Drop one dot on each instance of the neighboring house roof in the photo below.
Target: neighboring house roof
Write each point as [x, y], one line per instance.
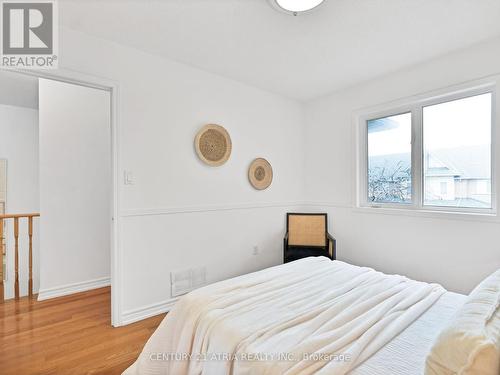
[470, 162]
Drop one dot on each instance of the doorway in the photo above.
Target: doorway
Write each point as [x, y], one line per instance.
[72, 240]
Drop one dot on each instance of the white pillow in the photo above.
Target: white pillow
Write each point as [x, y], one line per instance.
[470, 344]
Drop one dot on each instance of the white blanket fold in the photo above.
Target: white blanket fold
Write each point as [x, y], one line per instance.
[309, 316]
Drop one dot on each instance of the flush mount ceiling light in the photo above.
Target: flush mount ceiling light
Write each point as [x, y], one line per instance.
[296, 7]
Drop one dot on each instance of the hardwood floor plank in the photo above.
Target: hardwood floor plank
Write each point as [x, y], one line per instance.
[68, 335]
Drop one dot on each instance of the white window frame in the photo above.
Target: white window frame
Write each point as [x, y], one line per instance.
[415, 106]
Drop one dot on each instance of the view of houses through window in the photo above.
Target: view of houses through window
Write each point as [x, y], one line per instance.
[456, 155]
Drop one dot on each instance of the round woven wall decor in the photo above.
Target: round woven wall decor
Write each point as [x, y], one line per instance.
[260, 174]
[213, 145]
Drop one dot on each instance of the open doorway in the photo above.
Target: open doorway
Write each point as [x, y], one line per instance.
[56, 160]
[19, 184]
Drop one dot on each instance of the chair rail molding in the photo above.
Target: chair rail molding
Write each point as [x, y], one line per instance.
[205, 208]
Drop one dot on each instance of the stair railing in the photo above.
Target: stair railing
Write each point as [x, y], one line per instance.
[16, 218]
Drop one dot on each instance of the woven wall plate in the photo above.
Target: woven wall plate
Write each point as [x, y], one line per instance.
[213, 145]
[260, 174]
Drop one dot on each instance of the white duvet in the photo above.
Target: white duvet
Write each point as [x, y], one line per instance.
[309, 316]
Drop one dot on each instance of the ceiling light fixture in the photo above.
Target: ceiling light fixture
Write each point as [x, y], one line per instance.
[296, 7]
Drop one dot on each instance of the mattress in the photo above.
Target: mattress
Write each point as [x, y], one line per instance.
[406, 353]
[377, 323]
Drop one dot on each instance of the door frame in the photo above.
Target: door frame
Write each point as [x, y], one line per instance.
[112, 86]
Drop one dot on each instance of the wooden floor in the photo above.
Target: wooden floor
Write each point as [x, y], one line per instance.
[68, 335]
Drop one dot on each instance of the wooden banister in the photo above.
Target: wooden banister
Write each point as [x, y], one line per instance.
[13, 216]
[1, 261]
[30, 234]
[16, 256]
[16, 218]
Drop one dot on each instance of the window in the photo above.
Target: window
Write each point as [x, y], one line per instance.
[434, 153]
[457, 152]
[389, 159]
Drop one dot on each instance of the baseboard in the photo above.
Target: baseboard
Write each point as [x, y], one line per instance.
[73, 288]
[141, 313]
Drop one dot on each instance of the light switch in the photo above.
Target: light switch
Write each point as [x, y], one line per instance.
[128, 178]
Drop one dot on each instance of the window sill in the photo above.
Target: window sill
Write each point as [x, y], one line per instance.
[429, 213]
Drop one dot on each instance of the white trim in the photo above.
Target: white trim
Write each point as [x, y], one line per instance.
[145, 312]
[415, 105]
[102, 83]
[362, 180]
[430, 213]
[433, 95]
[417, 157]
[73, 288]
[195, 209]
[444, 215]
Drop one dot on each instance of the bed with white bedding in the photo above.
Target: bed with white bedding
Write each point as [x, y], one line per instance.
[309, 316]
[406, 353]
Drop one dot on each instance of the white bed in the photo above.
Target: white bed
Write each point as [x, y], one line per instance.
[406, 353]
[309, 316]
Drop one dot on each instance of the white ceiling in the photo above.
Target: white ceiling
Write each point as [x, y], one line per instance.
[342, 43]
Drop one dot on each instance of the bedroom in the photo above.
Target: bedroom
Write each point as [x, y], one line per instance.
[297, 91]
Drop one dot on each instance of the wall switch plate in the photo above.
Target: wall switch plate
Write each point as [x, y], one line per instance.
[128, 178]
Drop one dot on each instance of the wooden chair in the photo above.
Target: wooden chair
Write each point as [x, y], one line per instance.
[307, 235]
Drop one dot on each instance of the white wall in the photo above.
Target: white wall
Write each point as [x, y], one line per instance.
[179, 212]
[19, 145]
[456, 253]
[19, 90]
[75, 185]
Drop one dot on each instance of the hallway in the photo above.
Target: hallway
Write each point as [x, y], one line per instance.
[69, 335]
